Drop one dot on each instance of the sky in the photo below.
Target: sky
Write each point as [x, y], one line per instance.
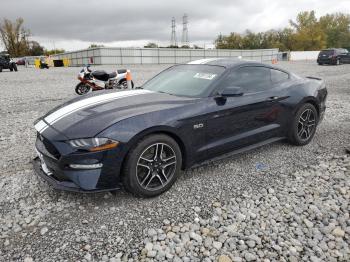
[75, 24]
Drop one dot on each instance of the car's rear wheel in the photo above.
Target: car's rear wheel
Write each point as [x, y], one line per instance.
[152, 166]
[304, 125]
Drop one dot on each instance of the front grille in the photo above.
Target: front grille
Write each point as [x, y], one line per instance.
[47, 147]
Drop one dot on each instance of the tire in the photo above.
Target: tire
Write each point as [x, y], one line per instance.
[15, 67]
[0, 69]
[147, 176]
[82, 89]
[11, 68]
[320, 64]
[123, 84]
[304, 125]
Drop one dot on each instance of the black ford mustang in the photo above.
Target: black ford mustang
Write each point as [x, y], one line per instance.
[188, 113]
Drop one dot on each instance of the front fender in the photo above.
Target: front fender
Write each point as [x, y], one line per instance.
[131, 130]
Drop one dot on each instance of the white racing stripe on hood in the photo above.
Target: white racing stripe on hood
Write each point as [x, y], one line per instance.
[40, 126]
[81, 104]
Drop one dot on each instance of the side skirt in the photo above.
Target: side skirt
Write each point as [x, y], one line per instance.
[238, 151]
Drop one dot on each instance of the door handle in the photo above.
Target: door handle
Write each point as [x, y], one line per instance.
[272, 98]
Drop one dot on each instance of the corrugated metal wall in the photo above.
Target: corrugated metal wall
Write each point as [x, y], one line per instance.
[120, 56]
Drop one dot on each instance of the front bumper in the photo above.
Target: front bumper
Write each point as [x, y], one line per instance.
[54, 168]
[63, 185]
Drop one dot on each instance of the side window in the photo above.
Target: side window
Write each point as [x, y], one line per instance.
[251, 79]
[278, 76]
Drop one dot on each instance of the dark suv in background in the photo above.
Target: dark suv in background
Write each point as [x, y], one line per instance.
[7, 63]
[345, 58]
[330, 56]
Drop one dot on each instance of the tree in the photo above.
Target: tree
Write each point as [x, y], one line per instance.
[305, 33]
[336, 27]
[14, 37]
[54, 51]
[95, 46]
[151, 45]
[308, 32]
[197, 47]
[35, 49]
[232, 41]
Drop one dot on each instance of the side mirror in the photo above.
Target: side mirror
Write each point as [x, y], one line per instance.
[232, 91]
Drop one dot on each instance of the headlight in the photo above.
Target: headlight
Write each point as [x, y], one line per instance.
[93, 144]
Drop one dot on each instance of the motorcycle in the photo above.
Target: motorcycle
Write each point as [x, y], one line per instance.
[43, 65]
[100, 80]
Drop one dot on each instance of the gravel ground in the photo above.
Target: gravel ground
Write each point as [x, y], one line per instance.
[275, 203]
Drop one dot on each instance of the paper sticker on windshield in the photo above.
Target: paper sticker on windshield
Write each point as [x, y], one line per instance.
[204, 76]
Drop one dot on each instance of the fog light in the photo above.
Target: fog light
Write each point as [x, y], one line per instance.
[91, 166]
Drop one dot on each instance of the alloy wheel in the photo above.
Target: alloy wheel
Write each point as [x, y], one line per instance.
[123, 85]
[156, 166]
[306, 124]
[83, 89]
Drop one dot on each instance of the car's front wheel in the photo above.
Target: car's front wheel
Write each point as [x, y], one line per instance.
[304, 125]
[152, 166]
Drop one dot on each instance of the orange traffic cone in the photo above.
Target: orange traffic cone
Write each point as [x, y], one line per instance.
[128, 79]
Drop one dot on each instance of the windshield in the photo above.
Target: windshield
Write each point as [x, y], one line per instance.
[327, 52]
[185, 80]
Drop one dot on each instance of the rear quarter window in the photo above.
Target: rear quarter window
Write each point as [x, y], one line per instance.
[327, 52]
[278, 76]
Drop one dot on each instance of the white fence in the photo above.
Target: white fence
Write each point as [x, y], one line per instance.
[120, 56]
[304, 55]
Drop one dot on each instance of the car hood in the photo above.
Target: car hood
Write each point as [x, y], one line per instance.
[88, 116]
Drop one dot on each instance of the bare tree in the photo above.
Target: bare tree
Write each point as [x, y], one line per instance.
[14, 37]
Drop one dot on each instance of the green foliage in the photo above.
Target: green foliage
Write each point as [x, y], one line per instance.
[54, 51]
[308, 32]
[151, 45]
[35, 49]
[305, 33]
[197, 47]
[95, 46]
[336, 28]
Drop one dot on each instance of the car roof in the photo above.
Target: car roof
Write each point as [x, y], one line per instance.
[225, 62]
[233, 62]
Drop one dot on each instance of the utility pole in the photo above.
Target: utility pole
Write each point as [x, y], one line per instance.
[184, 39]
[173, 41]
